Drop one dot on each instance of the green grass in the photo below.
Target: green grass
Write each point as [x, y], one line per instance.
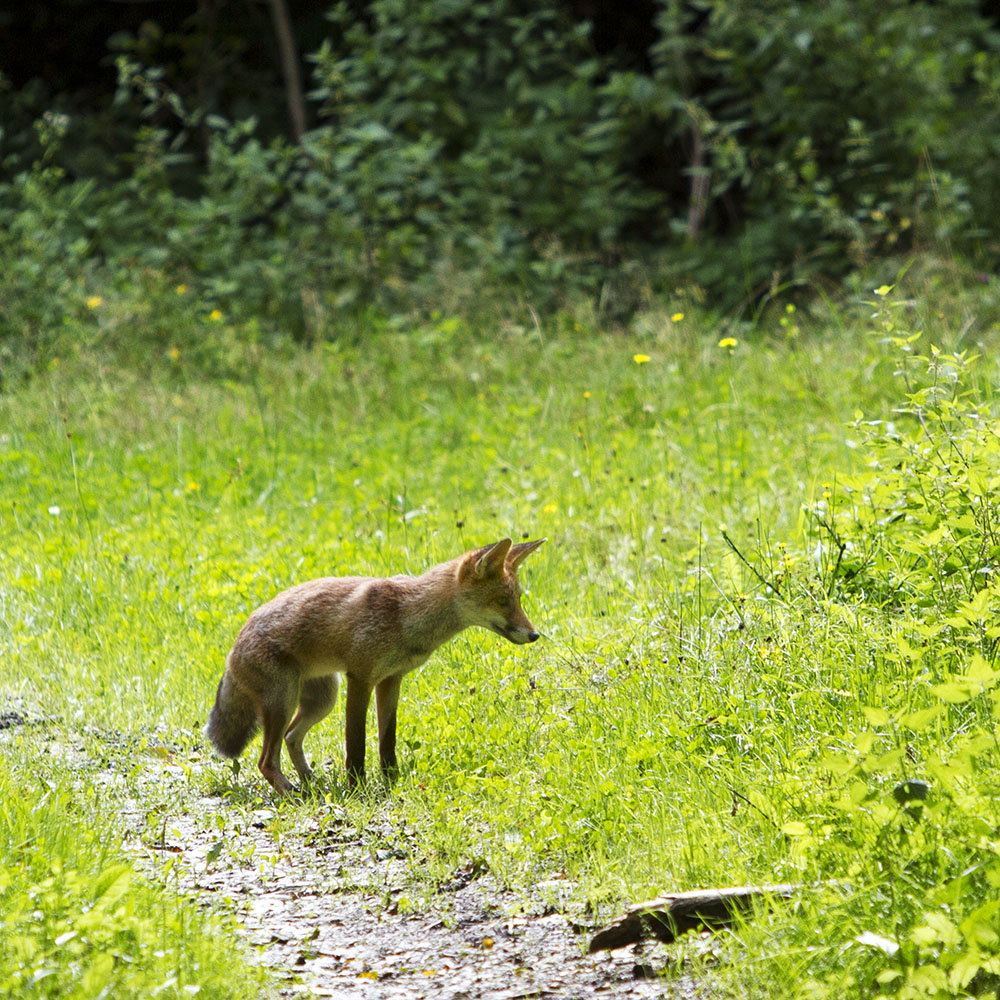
[681, 725]
[76, 921]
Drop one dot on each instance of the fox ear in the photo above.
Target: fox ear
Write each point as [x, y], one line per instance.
[518, 553]
[490, 563]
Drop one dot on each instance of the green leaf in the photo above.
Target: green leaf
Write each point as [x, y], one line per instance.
[876, 716]
[213, 852]
[919, 721]
[954, 692]
[795, 828]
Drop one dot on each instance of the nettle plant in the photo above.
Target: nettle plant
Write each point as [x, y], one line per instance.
[919, 528]
[913, 806]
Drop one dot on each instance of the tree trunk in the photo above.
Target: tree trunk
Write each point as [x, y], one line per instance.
[289, 68]
[698, 199]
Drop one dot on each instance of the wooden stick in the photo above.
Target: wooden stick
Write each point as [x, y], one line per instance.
[667, 917]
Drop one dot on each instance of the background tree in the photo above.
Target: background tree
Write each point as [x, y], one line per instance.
[549, 149]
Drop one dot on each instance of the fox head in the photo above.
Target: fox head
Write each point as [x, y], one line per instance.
[492, 596]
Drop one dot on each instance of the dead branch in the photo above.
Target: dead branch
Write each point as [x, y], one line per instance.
[667, 917]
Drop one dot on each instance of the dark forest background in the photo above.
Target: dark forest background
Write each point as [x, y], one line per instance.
[296, 159]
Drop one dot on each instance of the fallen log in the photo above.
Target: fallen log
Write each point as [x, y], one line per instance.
[669, 916]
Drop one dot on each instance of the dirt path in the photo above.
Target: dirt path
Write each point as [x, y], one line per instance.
[325, 913]
[326, 907]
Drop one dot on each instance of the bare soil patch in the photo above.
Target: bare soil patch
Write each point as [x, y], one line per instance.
[325, 914]
[328, 907]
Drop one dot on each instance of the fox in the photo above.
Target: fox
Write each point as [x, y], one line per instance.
[282, 673]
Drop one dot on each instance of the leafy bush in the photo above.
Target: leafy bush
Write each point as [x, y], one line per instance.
[901, 833]
[482, 150]
[480, 129]
[920, 526]
[827, 132]
[434, 160]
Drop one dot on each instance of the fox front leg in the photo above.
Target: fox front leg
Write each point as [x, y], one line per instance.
[386, 699]
[359, 694]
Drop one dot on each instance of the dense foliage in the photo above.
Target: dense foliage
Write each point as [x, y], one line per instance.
[769, 605]
[834, 131]
[460, 147]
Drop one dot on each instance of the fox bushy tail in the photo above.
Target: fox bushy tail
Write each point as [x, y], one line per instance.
[233, 721]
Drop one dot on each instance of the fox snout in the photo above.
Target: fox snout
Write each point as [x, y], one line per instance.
[518, 634]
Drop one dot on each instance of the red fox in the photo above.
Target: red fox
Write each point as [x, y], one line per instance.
[291, 650]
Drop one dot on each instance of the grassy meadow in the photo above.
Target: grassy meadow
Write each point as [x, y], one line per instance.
[767, 603]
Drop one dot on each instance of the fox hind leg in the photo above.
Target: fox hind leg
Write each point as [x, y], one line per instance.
[316, 698]
[275, 713]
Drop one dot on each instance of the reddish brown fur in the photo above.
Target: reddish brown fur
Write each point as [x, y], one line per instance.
[288, 655]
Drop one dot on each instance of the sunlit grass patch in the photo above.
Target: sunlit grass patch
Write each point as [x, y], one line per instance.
[77, 921]
[739, 664]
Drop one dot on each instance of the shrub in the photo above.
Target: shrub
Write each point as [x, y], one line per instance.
[479, 129]
[906, 824]
[920, 526]
[827, 133]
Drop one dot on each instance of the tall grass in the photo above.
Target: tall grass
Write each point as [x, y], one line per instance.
[77, 922]
[706, 691]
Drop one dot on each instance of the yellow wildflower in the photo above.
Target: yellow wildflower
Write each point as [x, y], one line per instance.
[94, 301]
[729, 342]
[677, 317]
[181, 289]
[174, 354]
[215, 315]
[640, 359]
